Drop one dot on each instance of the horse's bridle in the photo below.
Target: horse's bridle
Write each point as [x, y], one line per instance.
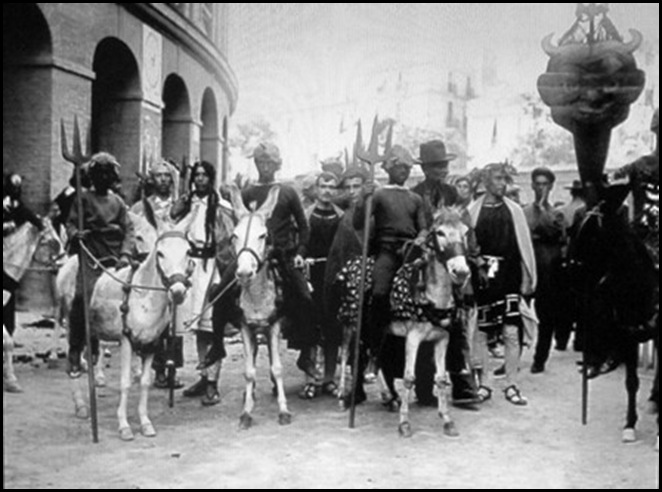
[261, 262]
[452, 250]
[183, 278]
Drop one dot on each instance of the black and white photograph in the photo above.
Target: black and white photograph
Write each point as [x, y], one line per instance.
[330, 246]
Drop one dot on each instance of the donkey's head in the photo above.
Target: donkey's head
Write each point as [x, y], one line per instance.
[449, 238]
[173, 261]
[251, 234]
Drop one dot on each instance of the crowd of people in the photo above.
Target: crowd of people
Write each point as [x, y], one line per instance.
[518, 255]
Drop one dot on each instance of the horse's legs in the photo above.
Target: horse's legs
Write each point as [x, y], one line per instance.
[146, 427]
[125, 386]
[10, 382]
[412, 344]
[250, 356]
[631, 358]
[284, 416]
[440, 350]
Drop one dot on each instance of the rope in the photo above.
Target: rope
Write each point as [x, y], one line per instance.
[210, 305]
[123, 283]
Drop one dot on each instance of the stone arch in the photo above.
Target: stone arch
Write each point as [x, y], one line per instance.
[27, 93]
[210, 138]
[177, 119]
[116, 106]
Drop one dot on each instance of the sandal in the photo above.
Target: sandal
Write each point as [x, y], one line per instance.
[484, 394]
[309, 392]
[514, 396]
[330, 389]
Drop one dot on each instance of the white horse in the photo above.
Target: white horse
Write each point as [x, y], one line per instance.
[26, 246]
[445, 266]
[258, 301]
[65, 286]
[159, 282]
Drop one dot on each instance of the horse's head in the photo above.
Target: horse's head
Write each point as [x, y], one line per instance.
[173, 260]
[449, 240]
[251, 234]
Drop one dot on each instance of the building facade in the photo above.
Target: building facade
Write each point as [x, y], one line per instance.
[146, 80]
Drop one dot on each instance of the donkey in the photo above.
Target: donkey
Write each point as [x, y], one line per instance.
[620, 299]
[135, 308]
[417, 320]
[258, 300]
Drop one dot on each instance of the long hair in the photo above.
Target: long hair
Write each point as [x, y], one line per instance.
[212, 207]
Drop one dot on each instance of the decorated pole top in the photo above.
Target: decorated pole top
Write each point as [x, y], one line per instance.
[591, 81]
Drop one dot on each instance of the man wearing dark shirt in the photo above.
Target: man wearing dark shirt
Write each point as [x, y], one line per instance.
[288, 235]
[508, 275]
[399, 216]
[324, 219]
[436, 194]
[547, 233]
[107, 234]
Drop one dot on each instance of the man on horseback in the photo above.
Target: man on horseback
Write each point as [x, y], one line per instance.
[211, 225]
[437, 194]
[399, 216]
[14, 215]
[644, 177]
[107, 240]
[163, 177]
[288, 237]
[509, 273]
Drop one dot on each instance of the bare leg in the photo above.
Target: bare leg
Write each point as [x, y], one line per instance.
[250, 352]
[442, 386]
[513, 354]
[284, 416]
[126, 434]
[146, 427]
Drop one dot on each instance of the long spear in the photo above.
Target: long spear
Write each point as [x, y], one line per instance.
[371, 158]
[78, 159]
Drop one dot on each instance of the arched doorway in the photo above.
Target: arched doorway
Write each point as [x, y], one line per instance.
[27, 93]
[116, 107]
[210, 138]
[177, 120]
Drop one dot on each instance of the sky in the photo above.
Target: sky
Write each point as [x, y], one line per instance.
[305, 68]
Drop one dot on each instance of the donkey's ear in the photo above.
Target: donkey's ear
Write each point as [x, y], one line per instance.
[270, 203]
[238, 205]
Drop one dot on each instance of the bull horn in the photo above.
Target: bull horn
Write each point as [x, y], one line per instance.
[548, 47]
[637, 40]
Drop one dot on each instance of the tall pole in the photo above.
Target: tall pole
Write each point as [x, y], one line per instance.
[77, 158]
[372, 157]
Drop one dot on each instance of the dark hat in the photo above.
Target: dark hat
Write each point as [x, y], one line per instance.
[544, 171]
[576, 186]
[434, 152]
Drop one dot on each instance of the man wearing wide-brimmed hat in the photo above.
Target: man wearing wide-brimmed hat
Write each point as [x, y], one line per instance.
[435, 162]
[436, 193]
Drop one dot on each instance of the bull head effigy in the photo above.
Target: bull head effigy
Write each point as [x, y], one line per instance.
[592, 80]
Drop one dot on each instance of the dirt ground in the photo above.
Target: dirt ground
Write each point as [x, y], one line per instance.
[543, 446]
